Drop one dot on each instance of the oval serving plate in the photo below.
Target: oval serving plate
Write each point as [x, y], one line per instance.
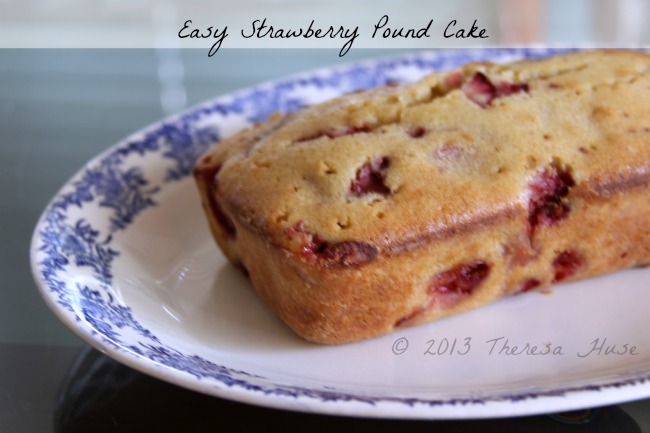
[123, 257]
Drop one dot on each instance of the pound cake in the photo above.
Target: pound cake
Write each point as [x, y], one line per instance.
[402, 204]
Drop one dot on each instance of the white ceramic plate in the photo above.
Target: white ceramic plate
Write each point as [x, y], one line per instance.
[123, 257]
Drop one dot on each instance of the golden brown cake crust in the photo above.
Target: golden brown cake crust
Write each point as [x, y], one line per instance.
[402, 204]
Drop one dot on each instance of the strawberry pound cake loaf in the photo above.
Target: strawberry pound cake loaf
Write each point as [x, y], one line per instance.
[402, 204]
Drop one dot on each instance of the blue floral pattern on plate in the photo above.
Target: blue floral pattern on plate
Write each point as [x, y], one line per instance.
[65, 242]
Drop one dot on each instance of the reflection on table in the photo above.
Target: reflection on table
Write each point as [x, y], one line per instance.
[102, 395]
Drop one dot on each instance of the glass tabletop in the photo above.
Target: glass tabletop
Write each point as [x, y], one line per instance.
[60, 108]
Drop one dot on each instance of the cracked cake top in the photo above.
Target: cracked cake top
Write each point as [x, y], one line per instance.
[483, 142]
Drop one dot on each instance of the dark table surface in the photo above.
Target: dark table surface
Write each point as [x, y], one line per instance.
[58, 109]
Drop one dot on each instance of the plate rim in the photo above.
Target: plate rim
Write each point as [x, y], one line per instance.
[341, 404]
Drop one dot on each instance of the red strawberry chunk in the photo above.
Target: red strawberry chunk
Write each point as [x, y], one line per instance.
[480, 90]
[529, 284]
[348, 253]
[370, 178]
[449, 288]
[301, 241]
[548, 200]
[461, 279]
[566, 264]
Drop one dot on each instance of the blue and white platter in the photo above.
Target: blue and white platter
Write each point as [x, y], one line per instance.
[123, 257]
